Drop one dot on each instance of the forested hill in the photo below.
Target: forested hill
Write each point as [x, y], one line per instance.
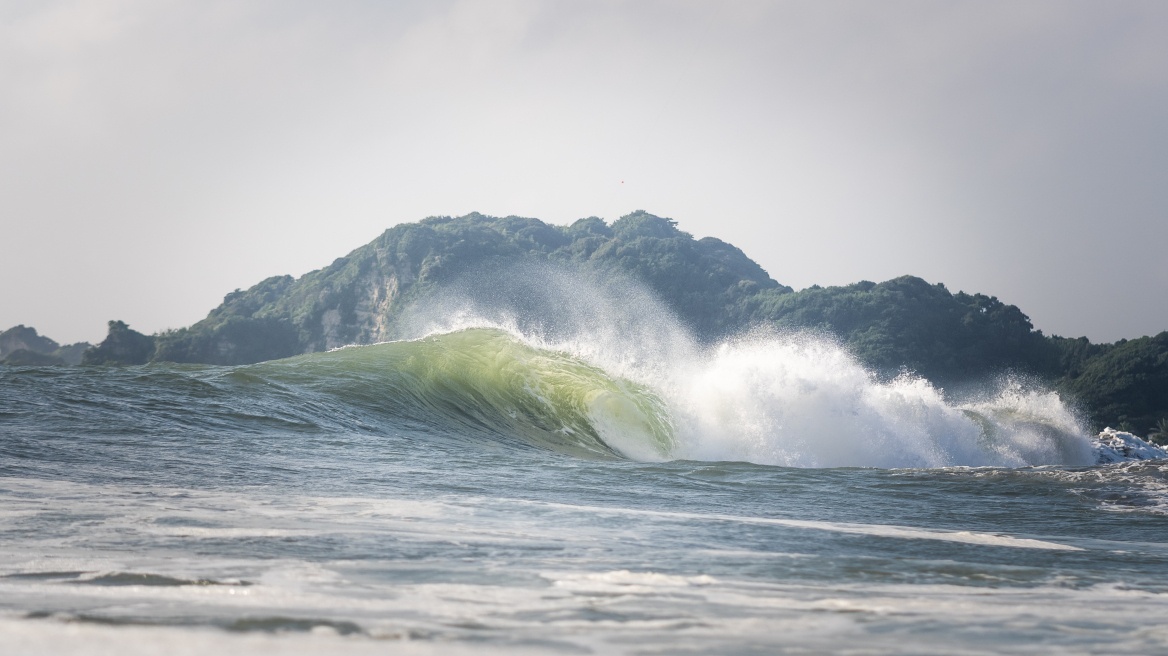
[360, 297]
[711, 285]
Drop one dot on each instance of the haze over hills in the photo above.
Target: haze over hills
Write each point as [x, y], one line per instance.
[901, 324]
[21, 345]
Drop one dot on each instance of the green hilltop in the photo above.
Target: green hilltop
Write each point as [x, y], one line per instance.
[900, 324]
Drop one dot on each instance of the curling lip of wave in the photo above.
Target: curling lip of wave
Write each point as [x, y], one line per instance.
[487, 383]
[768, 400]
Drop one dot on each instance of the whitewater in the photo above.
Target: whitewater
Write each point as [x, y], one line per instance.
[545, 464]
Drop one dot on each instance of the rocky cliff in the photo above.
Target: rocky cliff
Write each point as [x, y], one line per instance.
[21, 345]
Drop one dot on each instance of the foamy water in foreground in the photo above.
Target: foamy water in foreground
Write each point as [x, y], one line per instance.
[486, 490]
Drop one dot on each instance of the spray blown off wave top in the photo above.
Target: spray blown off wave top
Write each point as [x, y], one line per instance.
[608, 369]
[550, 465]
[775, 401]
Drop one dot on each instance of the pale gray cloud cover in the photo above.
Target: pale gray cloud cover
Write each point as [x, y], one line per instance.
[157, 154]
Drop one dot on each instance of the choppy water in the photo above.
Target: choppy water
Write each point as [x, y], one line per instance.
[487, 490]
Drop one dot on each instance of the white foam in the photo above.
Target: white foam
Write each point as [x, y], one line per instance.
[66, 638]
[1117, 446]
[779, 399]
[805, 402]
[626, 580]
[877, 530]
[576, 603]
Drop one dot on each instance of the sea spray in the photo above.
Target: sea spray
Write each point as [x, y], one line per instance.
[803, 401]
[784, 398]
[484, 487]
[612, 321]
[794, 401]
[607, 372]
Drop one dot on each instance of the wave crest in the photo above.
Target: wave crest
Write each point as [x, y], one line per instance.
[788, 401]
[486, 383]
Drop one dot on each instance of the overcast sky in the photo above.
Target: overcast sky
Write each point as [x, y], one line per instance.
[155, 155]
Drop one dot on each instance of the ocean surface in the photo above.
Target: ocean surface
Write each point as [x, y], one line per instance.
[498, 488]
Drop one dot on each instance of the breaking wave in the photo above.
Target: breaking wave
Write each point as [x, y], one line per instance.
[790, 401]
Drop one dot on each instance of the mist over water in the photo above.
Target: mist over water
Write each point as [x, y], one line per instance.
[553, 464]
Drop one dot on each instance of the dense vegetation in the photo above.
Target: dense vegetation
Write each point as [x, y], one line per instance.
[954, 338]
[1125, 384]
[360, 297]
[904, 323]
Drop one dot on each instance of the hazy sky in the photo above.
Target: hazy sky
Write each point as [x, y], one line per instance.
[155, 155]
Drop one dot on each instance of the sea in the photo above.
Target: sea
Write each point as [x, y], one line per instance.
[602, 483]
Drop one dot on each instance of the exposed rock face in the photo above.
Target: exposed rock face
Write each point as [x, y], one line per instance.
[121, 346]
[22, 345]
[24, 338]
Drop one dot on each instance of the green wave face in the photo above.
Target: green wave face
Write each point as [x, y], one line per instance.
[767, 402]
[484, 380]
